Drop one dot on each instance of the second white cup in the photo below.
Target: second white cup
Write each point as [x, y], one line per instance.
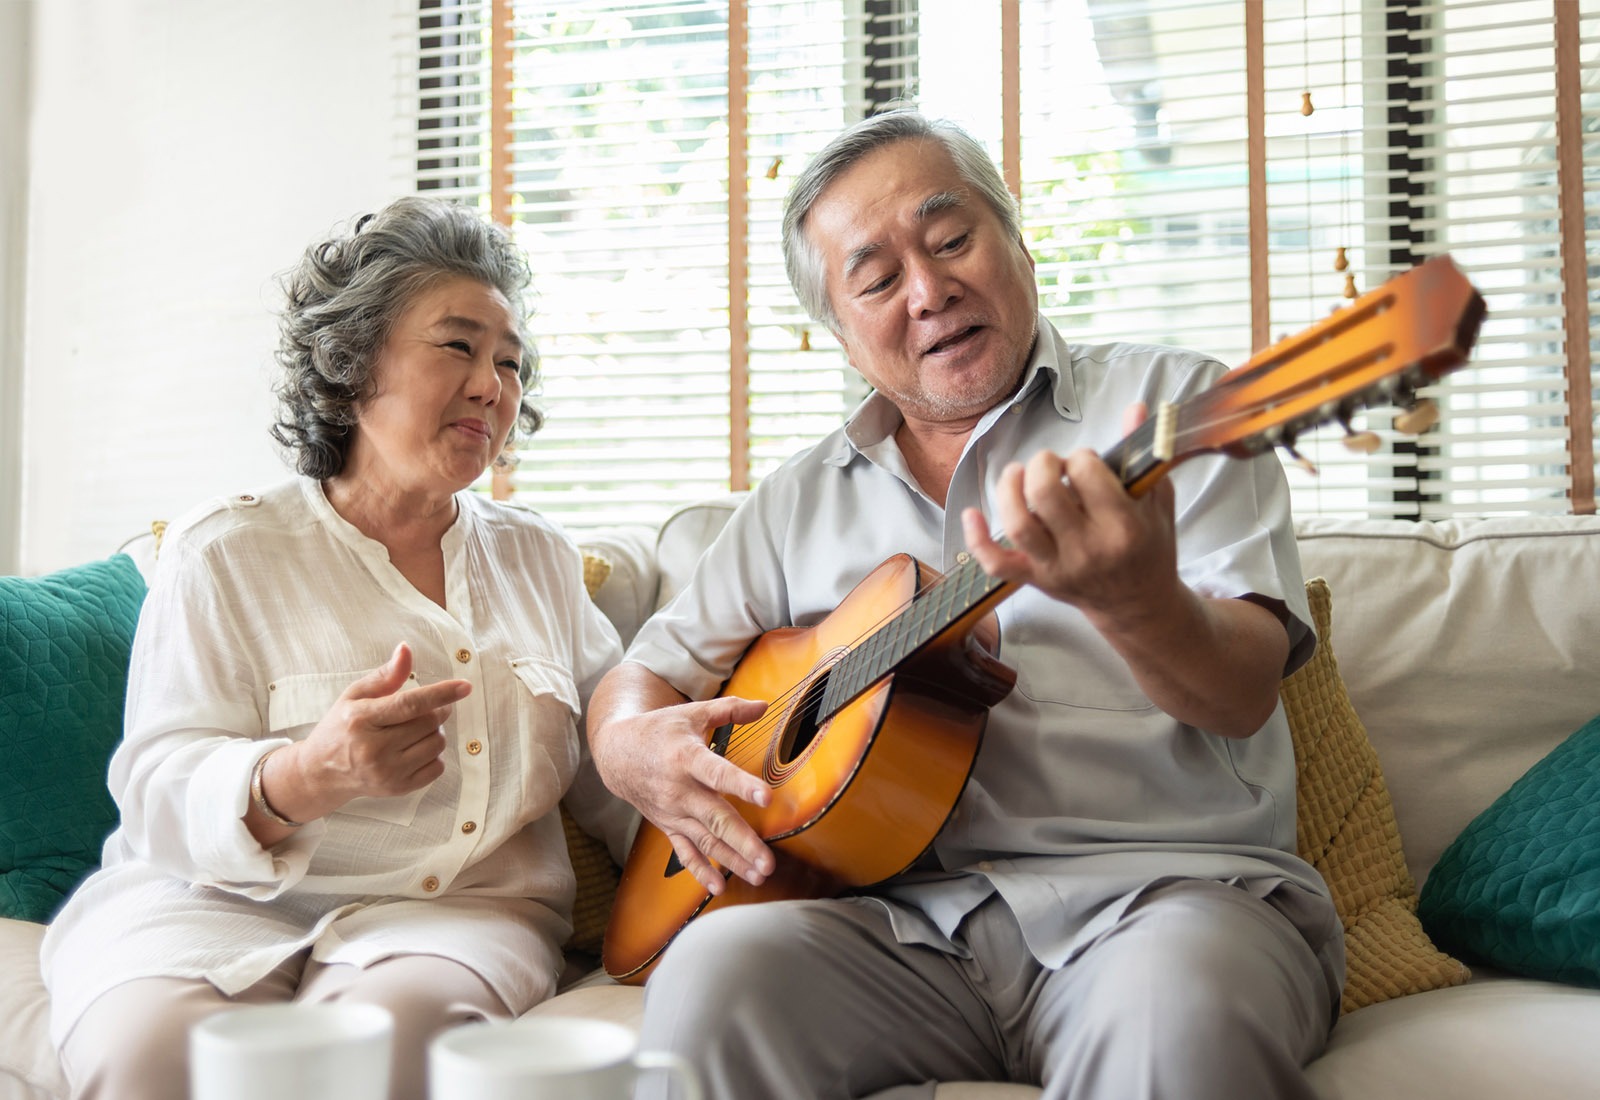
[546, 1058]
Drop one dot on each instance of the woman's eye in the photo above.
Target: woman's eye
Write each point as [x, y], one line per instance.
[510, 364]
[460, 345]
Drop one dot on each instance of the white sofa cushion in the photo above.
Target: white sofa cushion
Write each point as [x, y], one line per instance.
[1495, 1036]
[684, 536]
[628, 595]
[1481, 619]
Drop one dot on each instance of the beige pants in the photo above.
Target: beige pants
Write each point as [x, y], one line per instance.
[133, 1042]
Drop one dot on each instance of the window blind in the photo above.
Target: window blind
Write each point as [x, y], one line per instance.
[1380, 132]
[1134, 175]
[676, 362]
[1434, 130]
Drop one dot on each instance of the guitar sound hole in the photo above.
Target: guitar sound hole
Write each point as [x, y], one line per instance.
[803, 728]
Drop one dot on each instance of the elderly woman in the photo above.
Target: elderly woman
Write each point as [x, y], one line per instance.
[354, 697]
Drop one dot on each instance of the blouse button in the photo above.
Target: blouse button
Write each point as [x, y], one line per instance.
[963, 557]
[430, 884]
[985, 866]
[463, 655]
[469, 826]
[474, 748]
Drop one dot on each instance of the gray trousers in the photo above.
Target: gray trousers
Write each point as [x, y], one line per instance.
[1200, 992]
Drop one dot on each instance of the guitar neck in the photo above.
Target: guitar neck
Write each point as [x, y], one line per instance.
[967, 590]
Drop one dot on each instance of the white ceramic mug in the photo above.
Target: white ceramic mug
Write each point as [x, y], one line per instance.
[328, 1051]
[546, 1058]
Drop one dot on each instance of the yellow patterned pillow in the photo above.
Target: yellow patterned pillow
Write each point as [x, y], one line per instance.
[591, 861]
[1347, 831]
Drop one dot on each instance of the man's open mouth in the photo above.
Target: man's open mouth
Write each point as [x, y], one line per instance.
[952, 340]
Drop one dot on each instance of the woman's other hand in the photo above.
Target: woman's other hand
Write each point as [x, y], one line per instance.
[376, 741]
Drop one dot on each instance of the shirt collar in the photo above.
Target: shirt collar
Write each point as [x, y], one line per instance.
[877, 418]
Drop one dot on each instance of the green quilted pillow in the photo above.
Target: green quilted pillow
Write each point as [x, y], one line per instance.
[64, 645]
[1520, 887]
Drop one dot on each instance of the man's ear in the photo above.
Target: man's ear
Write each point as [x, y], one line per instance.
[844, 344]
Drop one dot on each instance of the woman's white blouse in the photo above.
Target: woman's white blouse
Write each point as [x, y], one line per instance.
[264, 608]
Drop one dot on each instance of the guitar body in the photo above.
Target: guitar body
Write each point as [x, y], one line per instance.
[856, 799]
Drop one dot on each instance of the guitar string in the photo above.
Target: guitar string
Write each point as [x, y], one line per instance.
[749, 744]
[756, 736]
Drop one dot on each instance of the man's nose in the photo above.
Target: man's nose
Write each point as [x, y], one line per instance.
[931, 288]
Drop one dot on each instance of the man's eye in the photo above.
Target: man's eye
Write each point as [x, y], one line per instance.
[955, 242]
[881, 284]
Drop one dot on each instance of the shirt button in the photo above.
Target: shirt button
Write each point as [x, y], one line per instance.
[430, 884]
[963, 557]
[1015, 409]
[985, 866]
[469, 826]
[463, 655]
[474, 748]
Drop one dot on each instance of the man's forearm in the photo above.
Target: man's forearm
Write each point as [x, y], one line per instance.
[625, 691]
[1211, 663]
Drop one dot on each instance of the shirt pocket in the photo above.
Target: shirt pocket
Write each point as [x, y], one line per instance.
[547, 731]
[295, 704]
[1060, 658]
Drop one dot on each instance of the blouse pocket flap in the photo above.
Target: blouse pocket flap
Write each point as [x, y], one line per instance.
[303, 700]
[542, 676]
[297, 703]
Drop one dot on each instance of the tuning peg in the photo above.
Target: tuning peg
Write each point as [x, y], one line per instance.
[1340, 261]
[1350, 284]
[1418, 419]
[1300, 460]
[1362, 442]
[772, 169]
[1305, 103]
[805, 339]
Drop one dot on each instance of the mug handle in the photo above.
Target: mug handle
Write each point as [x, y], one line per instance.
[688, 1080]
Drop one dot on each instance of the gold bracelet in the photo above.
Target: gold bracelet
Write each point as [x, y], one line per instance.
[260, 798]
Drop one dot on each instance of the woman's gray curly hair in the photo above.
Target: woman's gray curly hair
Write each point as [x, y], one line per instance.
[344, 297]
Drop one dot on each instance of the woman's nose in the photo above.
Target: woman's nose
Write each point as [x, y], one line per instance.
[483, 384]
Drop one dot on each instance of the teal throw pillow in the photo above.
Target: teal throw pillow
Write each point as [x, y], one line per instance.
[64, 645]
[1520, 887]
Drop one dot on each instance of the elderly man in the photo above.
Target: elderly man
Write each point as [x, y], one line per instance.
[1114, 908]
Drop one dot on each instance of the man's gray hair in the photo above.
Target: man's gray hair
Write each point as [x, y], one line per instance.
[344, 297]
[801, 258]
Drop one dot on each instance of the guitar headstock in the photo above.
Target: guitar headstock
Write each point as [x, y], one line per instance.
[1378, 350]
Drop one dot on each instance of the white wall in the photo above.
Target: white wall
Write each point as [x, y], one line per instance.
[181, 154]
[14, 23]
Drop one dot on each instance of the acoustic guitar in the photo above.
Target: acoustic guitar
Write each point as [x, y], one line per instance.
[876, 713]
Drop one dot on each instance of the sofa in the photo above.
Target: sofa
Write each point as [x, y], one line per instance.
[1457, 661]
